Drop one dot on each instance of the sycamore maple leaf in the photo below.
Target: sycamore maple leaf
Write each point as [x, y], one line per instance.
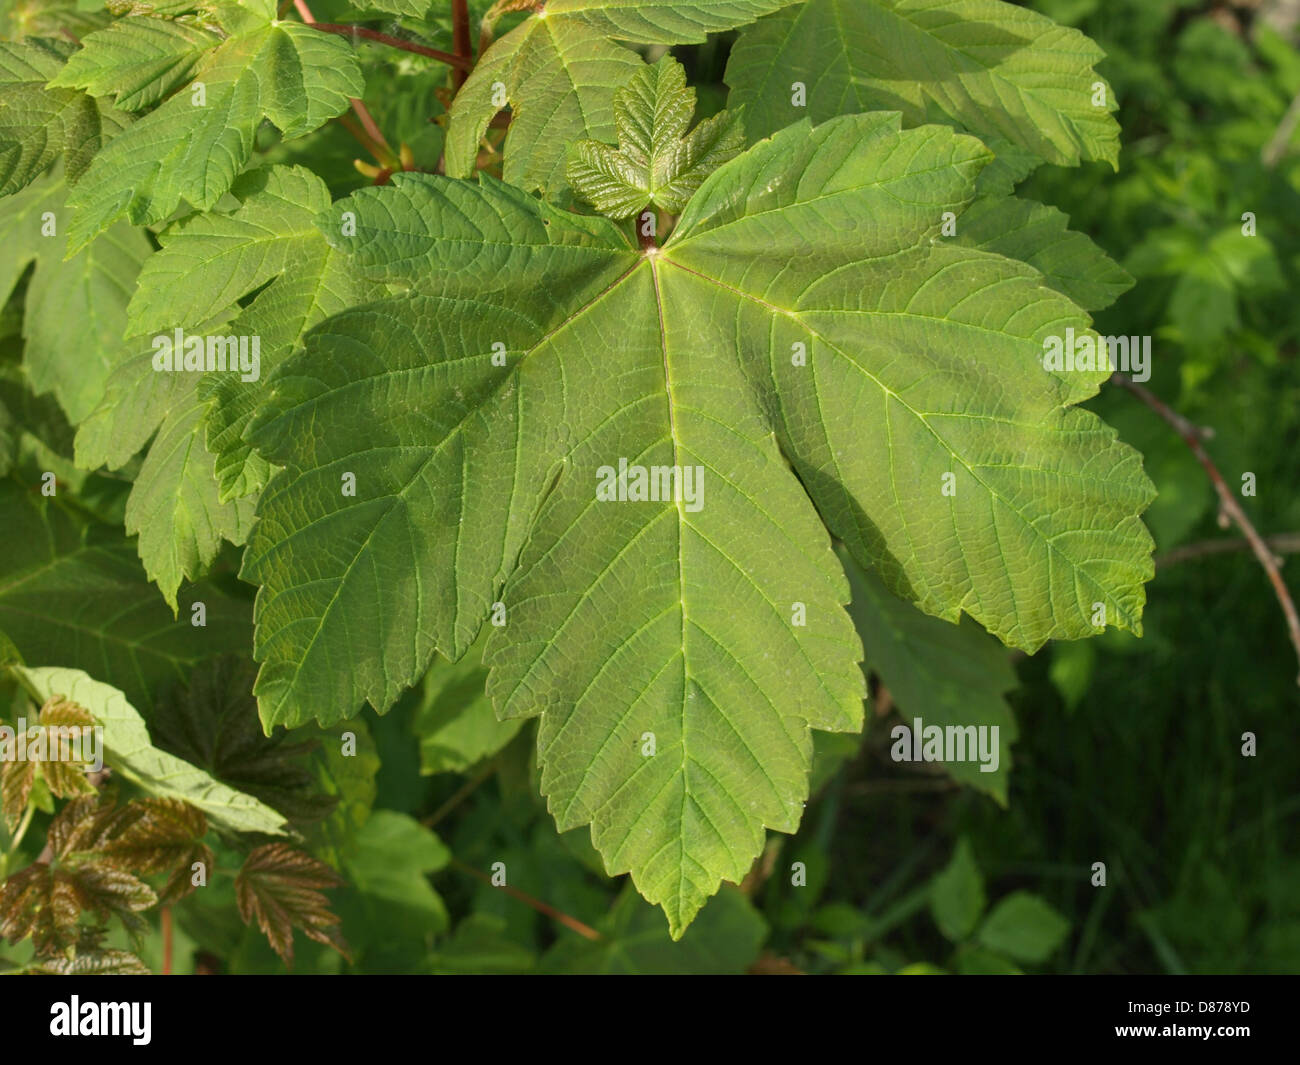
[656, 162]
[280, 887]
[808, 347]
[47, 899]
[50, 751]
[994, 68]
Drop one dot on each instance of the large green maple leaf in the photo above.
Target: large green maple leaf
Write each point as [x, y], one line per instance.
[996, 69]
[808, 347]
[557, 71]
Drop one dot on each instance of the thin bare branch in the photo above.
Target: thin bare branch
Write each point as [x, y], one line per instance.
[1282, 544]
[1228, 506]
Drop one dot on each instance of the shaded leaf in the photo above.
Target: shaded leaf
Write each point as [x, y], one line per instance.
[957, 894]
[996, 69]
[455, 722]
[946, 675]
[212, 723]
[72, 591]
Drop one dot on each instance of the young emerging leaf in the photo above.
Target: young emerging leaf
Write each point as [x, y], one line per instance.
[655, 162]
[994, 68]
[281, 887]
[160, 836]
[803, 319]
[558, 71]
[46, 902]
[49, 749]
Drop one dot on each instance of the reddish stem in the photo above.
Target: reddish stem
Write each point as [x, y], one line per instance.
[462, 63]
[1192, 436]
[647, 239]
[571, 923]
[461, 41]
[367, 121]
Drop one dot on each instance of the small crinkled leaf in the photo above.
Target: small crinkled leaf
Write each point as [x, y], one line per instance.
[72, 590]
[996, 69]
[108, 892]
[160, 836]
[280, 887]
[558, 70]
[946, 675]
[520, 424]
[105, 961]
[557, 80]
[286, 72]
[51, 752]
[1040, 236]
[156, 836]
[656, 162]
[138, 59]
[130, 751]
